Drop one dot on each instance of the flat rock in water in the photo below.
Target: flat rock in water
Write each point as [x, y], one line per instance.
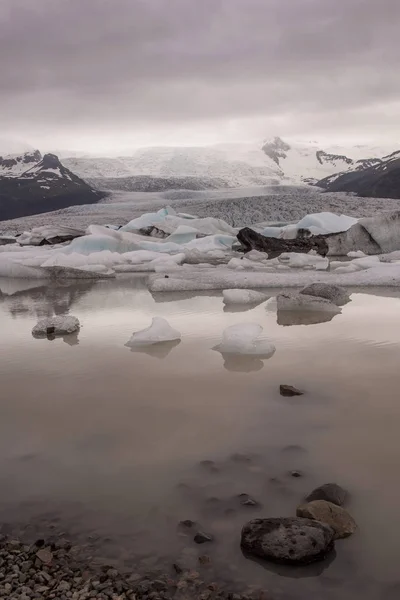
[304, 302]
[333, 293]
[202, 538]
[289, 390]
[331, 492]
[335, 516]
[288, 540]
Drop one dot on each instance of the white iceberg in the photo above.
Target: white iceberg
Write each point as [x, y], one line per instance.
[56, 326]
[236, 296]
[243, 338]
[159, 331]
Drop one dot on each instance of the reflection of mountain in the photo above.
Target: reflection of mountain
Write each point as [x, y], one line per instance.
[46, 300]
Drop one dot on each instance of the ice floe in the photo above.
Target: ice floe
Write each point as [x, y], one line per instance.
[244, 339]
[299, 302]
[159, 331]
[243, 297]
[62, 325]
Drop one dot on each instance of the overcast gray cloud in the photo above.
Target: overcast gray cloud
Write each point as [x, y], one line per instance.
[114, 74]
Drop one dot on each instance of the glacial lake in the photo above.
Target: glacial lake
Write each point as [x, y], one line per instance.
[106, 444]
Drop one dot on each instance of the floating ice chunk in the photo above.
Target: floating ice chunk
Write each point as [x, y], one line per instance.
[159, 331]
[326, 222]
[183, 234]
[56, 326]
[48, 235]
[333, 293]
[295, 302]
[296, 260]
[243, 338]
[236, 296]
[356, 254]
[84, 272]
[11, 268]
[148, 219]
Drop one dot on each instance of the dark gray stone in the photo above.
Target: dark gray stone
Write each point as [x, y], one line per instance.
[289, 390]
[202, 538]
[287, 540]
[334, 293]
[331, 492]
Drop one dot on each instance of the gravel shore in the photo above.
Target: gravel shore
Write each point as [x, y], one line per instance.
[42, 570]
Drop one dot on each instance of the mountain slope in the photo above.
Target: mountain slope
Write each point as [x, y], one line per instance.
[378, 181]
[45, 186]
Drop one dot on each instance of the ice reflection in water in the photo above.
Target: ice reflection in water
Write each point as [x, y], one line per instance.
[105, 443]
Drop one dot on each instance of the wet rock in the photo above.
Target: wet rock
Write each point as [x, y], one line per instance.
[246, 500]
[331, 492]
[187, 524]
[296, 474]
[333, 293]
[289, 390]
[335, 516]
[204, 560]
[202, 538]
[288, 540]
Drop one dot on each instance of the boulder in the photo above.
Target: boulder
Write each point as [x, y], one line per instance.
[274, 247]
[288, 540]
[289, 391]
[304, 302]
[333, 293]
[335, 516]
[331, 492]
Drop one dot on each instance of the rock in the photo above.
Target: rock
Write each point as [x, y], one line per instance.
[289, 390]
[304, 302]
[331, 492]
[45, 556]
[288, 540]
[296, 474]
[246, 500]
[187, 523]
[58, 325]
[274, 247]
[333, 293]
[202, 538]
[335, 516]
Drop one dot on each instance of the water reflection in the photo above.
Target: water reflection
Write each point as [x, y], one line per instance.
[303, 317]
[241, 364]
[158, 350]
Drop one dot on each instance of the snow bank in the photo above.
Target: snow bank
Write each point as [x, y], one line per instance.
[159, 331]
[56, 326]
[243, 339]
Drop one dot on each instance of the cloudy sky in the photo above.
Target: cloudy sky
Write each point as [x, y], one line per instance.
[110, 75]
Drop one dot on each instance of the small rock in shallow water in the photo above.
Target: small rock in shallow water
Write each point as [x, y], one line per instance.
[45, 556]
[246, 500]
[202, 538]
[331, 492]
[187, 523]
[288, 540]
[296, 474]
[289, 390]
[335, 516]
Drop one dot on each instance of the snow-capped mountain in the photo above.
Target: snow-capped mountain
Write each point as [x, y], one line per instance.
[44, 185]
[13, 165]
[309, 162]
[380, 180]
[235, 165]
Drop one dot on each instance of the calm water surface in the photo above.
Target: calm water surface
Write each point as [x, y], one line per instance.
[105, 443]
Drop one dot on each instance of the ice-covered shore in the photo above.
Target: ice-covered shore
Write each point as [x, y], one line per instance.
[184, 252]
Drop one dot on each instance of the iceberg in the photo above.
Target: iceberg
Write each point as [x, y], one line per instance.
[243, 338]
[56, 326]
[236, 296]
[333, 293]
[159, 331]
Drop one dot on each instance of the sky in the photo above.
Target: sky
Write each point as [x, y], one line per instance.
[107, 76]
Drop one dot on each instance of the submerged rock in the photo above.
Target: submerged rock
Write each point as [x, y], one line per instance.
[288, 540]
[289, 390]
[56, 326]
[331, 492]
[304, 302]
[202, 538]
[335, 516]
[333, 293]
